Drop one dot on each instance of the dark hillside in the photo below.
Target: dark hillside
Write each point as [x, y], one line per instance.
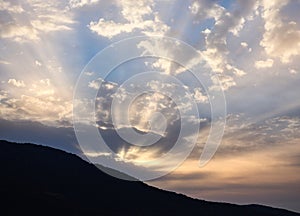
[39, 180]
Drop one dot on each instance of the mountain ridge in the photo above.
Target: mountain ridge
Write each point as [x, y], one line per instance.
[37, 179]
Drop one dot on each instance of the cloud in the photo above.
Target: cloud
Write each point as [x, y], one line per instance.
[39, 101]
[38, 63]
[8, 6]
[18, 32]
[222, 81]
[134, 13]
[5, 62]
[97, 154]
[46, 109]
[281, 38]
[89, 73]
[216, 51]
[82, 3]
[3, 94]
[102, 85]
[95, 84]
[264, 64]
[293, 71]
[143, 107]
[39, 17]
[16, 83]
[164, 65]
[199, 96]
[236, 173]
[244, 44]
[205, 9]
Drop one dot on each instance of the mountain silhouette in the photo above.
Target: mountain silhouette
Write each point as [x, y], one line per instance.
[39, 180]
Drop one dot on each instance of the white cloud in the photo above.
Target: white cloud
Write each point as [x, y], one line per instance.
[95, 84]
[37, 63]
[4, 62]
[293, 71]
[38, 102]
[206, 31]
[18, 32]
[194, 8]
[98, 154]
[281, 37]
[217, 53]
[88, 73]
[110, 29]
[38, 18]
[164, 65]
[264, 64]
[36, 106]
[205, 9]
[199, 96]
[222, 81]
[82, 3]
[16, 83]
[8, 6]
[3, 95]
[244, 44]
[134, 12]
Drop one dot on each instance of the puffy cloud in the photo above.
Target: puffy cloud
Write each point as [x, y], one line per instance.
[264, 64]
[81, 3]
[194, 7]
[216, 52]
[222, 81]
[107, 86]
[199, 96]
[17, 83]
[281, 38]
[46, 109]
[8, 6]
[18, 32]
[244, 44]
[38, 102]
[38, 63]
[205, 9]
[164, 65]
[95, 84]
[110, 29]
[143, 108]
[134, 13]
[39, 17]
[3, 94]
[293, 71]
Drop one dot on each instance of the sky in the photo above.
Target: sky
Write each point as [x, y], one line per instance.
[208, 62]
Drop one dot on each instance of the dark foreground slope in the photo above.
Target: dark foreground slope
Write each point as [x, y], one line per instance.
[38, 180]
